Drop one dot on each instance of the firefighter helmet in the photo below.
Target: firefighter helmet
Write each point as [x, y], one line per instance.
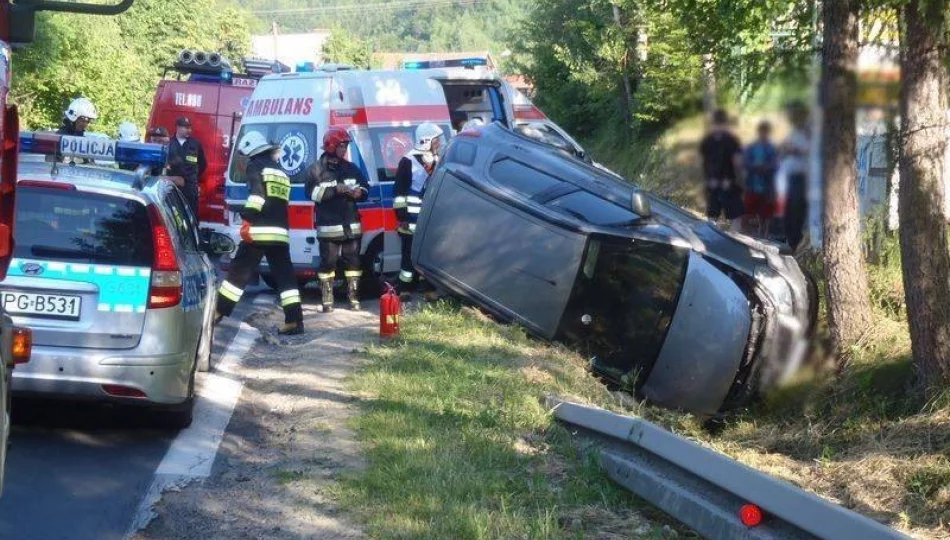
[79, 108]
[253, 143]
[333, 138]
[128, 132]
[425, 134]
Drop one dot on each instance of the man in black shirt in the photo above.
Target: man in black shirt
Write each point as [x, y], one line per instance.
[186, 159]
[722, 160]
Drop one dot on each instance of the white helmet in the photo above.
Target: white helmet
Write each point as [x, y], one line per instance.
[425, 134]
[473, 123]
[253, 143]
[128, 132]
[81, 107]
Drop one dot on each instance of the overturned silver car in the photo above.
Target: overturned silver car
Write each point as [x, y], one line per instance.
[664, 304]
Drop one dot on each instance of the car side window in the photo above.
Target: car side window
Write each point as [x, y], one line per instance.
[593, 209]
[522, 178]
[182, 220]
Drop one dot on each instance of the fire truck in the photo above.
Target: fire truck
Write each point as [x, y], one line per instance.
[206, 89]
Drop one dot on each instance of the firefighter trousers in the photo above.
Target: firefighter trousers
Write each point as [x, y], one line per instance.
[244, 265]
[332, 250]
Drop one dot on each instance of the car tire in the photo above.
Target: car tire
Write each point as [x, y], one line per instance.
[371, 284]
[178, 418]
[203, 357]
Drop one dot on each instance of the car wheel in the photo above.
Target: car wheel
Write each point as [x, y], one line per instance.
[178, 418]
[203, 358]
[371, 284]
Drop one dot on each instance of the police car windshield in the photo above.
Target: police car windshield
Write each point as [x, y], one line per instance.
[85, 227]
[298, 149]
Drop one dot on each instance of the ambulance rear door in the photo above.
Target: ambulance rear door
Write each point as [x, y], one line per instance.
[394, 104]
[474, 93]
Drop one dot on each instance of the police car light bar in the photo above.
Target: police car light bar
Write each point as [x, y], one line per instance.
[429, 64]
[52, 144]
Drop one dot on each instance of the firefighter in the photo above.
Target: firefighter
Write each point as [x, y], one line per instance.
[128, 132]
[412, 175]
[263, 234]
[77, 117]
[186, 159]
[336, 185]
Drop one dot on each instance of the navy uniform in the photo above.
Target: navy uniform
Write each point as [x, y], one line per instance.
[186, 159]
[264, 234]
[336, 186]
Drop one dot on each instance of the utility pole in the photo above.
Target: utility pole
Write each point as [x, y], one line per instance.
[274, 31]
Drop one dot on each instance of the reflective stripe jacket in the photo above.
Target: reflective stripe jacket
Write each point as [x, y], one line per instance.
[411, 179]
[266, 206]
[337, 215]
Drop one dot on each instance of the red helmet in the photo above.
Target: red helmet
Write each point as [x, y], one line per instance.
[334, 137]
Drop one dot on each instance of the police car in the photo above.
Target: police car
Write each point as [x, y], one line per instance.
[112, 276]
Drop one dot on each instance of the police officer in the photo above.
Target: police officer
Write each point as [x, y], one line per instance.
[128, 132]
[186, 159]
[77, 117]
[263, 234]
[412, 175]
[159, 135]
[336, 185]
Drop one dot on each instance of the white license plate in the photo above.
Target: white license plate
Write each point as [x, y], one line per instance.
[58, 306]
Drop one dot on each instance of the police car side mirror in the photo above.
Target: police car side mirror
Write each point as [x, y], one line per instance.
[215, 243]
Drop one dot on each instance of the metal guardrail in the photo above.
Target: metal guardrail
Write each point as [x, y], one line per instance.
[705, 490]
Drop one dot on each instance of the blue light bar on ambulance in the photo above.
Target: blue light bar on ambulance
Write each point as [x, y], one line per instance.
[305, 67]
[52, 144]
[460, 62]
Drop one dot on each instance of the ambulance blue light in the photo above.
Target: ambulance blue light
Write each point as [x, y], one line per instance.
[305, 67]
[414, 65]
[461, 62]
[52, 144]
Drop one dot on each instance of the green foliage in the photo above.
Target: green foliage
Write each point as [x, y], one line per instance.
[419, 27]
[117, 61]
[342, 48]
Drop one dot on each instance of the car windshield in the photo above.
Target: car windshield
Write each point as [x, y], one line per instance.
[593, 209]
[81, 227]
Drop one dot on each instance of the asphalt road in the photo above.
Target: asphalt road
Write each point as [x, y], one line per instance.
[80, 471]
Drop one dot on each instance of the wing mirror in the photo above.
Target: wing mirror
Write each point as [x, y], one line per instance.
[217, 244]
[640, 204]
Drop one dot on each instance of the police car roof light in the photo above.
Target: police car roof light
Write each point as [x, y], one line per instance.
[52, 144]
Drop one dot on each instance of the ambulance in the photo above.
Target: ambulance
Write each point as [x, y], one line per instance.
[380, 110]
[213, 96]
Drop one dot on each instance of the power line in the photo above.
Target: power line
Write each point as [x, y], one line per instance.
[404, 4]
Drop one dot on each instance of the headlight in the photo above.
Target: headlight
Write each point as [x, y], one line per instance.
[777, 287]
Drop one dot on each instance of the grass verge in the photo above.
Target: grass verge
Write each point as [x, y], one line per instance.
[458, 444]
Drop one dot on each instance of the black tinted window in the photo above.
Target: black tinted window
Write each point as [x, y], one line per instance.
[592, 209]
[522, 178]
[182, 219]
[629, 290]
[82, 227]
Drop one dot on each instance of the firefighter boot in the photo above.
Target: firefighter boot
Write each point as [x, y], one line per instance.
[353, 292]
[326, 293]
[291, 328]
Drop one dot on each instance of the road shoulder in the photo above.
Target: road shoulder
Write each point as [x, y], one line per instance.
[287, 442]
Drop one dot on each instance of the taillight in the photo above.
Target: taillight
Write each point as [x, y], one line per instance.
[22, 345]
[165, 288]
[751, 515]
[119, 390]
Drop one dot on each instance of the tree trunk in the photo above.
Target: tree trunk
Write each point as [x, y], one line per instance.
[849, 307]
[923, 230]
[624, 66]
[710, 98]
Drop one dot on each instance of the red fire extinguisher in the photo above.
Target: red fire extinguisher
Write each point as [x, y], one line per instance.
[389, 309]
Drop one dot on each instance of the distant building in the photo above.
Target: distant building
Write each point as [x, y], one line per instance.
[291, 49]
